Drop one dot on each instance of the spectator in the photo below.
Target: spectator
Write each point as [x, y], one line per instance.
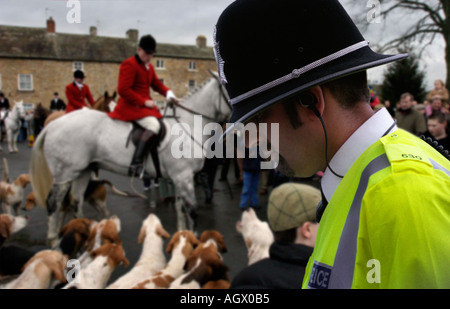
[227, 161]
[291, 212]
[436, 104]
[438, 129]
[57, 104]
[4, 106]
[408, 118]
[40, 114]
[251, 168]
[440, 90]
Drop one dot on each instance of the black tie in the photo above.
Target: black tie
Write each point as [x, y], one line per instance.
[321, 207]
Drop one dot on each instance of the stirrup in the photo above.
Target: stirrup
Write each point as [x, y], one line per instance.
[136, 170]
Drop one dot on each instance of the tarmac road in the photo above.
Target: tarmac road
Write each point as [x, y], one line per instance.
[221, 215]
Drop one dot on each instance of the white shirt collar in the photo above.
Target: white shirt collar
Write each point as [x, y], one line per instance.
[79, 85]
[367, 134]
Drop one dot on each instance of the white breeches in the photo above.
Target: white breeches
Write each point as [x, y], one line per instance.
[149, 123]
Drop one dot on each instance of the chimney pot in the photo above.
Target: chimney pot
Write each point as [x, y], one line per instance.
[93, 31]
[201, 41]
[132, 34]
[51, 25]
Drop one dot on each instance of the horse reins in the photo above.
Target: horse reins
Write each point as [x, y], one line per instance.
[200, 114]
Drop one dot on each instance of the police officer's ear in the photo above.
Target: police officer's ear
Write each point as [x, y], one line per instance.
[313, 100]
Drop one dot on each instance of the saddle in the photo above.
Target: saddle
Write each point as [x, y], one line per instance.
[152, 147]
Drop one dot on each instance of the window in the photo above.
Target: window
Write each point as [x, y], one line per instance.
[78, 65]
[192, 66]
[191, 85]
[160, 64]
[25, 82]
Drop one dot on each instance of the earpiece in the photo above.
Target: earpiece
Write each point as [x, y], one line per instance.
[307, 99]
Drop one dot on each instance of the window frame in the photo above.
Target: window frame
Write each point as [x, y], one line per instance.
[19, 76]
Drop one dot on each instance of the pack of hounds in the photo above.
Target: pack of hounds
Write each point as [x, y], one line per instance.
[88, 251]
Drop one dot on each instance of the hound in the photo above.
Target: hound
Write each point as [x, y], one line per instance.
[181, 247]
[205, 264]
[257, 235]
[74, 235]
[152, 259]
[104, 232]
[11, 194]
[10, 225]
[97, 273]
[40, 271]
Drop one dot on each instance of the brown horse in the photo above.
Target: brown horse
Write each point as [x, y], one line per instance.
[103, 104]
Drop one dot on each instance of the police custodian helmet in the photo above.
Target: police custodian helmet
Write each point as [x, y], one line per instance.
[267, 51]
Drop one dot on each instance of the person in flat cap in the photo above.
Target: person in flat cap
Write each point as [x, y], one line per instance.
[385, 199]
[291, 212]
[77, 92]
[136, 77]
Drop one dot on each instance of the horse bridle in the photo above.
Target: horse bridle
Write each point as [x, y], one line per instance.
[222, 95]
[220, 116]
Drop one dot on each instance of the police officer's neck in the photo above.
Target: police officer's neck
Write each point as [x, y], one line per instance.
[342, 122]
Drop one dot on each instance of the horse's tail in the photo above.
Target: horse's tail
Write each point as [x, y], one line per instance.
[41, 177]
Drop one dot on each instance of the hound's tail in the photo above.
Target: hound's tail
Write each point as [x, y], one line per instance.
[41, 177]
[115, 190]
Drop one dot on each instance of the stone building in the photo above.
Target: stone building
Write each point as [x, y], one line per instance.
[36, 62]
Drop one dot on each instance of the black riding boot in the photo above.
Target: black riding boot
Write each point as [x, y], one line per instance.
[137, 164]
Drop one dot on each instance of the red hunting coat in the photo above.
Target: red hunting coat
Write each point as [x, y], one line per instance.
[134, 85]
[76, 97]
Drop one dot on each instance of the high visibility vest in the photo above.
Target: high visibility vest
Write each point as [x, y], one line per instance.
[388, 223]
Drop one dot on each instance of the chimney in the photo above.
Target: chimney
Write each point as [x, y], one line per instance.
[132, 34]
[93, 31]
[201, 41]
[50, 25]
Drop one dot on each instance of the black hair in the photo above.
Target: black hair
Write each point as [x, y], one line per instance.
[286, 236]
[348, 91]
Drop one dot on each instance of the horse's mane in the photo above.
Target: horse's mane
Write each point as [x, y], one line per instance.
[196, 89]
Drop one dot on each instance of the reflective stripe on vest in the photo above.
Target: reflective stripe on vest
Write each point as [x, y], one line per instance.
[342, 275]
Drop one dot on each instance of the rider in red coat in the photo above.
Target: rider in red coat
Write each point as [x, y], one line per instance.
[77, 92]
[136, 76]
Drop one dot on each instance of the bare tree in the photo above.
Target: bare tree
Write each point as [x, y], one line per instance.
[428, 20]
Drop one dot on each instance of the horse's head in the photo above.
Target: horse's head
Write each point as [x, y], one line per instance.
[18, 106]
[223, 106]
[106, 103]
[110, 101]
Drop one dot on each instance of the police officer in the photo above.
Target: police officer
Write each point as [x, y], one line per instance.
[384, 216]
